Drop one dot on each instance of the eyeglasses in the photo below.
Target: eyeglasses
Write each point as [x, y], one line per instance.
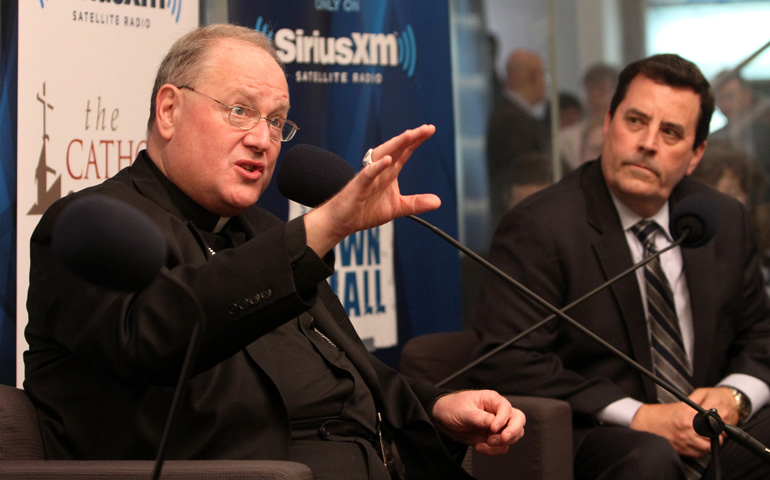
[247, 118]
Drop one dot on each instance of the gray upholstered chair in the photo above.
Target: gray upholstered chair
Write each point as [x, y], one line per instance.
[21, 456]
[545, 452]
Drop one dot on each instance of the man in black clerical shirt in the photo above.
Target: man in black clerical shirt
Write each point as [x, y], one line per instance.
[281, 373]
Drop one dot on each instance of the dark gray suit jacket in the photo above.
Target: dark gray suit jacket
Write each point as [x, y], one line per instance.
[511, 132]
[102, 365]
[567, 240]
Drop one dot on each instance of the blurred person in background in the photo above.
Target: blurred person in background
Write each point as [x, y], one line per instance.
[517, 125]
[748, 119]
[598, 85]
[739, 175]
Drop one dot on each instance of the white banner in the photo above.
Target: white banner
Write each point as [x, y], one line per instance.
[86, 70]
[364, 282]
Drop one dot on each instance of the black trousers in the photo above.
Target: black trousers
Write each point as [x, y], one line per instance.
[339, 460]
[610, 452]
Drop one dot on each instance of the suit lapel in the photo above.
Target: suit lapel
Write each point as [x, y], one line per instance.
[611, 249]
[699, 271]
[150, 187]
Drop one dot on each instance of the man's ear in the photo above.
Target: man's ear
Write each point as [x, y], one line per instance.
[167, 103]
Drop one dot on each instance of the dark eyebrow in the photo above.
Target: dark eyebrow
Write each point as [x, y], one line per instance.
[638, 113]
[668, 125]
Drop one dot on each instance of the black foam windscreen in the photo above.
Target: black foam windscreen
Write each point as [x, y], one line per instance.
[109, 243]
[310, 175]
[699, 216]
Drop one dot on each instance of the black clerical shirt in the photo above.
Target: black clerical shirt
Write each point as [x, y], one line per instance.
[325, 396]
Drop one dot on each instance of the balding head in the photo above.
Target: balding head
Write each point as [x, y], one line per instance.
[525, 75]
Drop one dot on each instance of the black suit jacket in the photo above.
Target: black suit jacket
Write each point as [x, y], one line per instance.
[102, 365]
[511, 132]
[567, 240]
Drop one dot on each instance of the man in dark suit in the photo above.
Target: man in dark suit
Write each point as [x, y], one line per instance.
[568, 239]
[517, 124]
[281, 372]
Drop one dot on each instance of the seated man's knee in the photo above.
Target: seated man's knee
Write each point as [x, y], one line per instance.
[654, 452]
[617, 452]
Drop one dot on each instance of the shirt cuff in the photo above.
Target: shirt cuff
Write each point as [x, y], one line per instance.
[620, 412]
[754, 388]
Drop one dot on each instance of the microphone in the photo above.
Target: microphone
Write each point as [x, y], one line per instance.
[696, 217]
[694, 221]
[114, 245]
[108, 243]
[310, 175]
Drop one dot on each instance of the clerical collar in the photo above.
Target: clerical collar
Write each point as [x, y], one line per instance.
[199, 216]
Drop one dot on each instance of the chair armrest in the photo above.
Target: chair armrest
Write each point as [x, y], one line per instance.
[142, 469]
[545, 451]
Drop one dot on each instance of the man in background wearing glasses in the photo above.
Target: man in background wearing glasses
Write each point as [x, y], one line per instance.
[281, 376]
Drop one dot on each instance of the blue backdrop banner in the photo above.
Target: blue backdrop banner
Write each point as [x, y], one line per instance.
[8, 71]
[360, 73]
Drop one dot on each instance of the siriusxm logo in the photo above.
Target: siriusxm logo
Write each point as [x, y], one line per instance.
[174, 5]
[176, 8]
[364, 49]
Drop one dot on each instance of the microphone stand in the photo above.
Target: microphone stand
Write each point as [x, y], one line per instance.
[184, 374]
[707, 423]
[737, 69]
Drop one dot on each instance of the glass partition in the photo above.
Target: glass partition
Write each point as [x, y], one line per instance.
[553, 70]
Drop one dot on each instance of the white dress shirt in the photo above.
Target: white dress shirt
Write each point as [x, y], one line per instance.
[622, 411]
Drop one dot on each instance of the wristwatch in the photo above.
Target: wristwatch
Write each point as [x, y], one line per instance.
[744, 404]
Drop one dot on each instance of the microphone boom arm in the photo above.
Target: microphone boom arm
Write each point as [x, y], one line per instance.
[711, 425]
[555, 312]
[184, 373]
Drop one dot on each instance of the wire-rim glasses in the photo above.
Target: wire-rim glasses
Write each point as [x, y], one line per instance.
[246, 118]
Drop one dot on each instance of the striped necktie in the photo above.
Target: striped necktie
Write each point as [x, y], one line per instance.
[669, 360]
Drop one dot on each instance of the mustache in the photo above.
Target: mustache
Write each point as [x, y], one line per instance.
[643, 161]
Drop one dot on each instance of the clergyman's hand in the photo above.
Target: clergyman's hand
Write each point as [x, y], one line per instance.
[481, 418]
[372, 197]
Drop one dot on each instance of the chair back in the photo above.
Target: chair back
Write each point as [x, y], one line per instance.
[22, 457]
[545, 452]
[435, 356]
[19, 431]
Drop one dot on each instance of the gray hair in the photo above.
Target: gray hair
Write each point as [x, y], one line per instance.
[188, 56]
